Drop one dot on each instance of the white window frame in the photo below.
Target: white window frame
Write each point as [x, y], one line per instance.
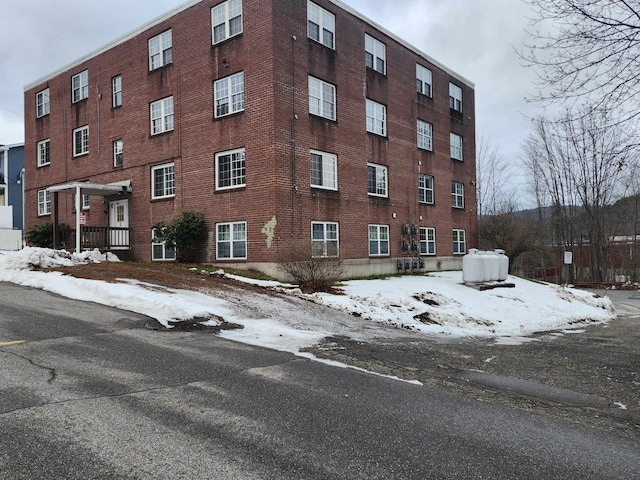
[381, 179]
[116, 91]
[81, 141]
[44, 152]
[320, 247]
[43, 105]
[161, 114]
[455, 97]
[425, 135]
[375, 54]
[237, 169]
[379, 240]
[455, 142]
[80, 86]
[229, 92]
[237, 235]
[44, 202]
[168, 181]
[168, 254]
[322, 98]
[376, 118]
[323, 168]
[427, 240]
[457, 194]
[324, 21]
[424, 80]
[118, 153]
[160, 50]
[426, 187]
[85, 201]
[459, 242]
[220, 16]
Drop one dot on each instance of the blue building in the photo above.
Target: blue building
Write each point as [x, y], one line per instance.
[11, 188]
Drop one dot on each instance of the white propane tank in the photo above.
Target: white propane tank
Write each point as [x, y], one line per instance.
[504, 265]
[472, 267]
[490, 267]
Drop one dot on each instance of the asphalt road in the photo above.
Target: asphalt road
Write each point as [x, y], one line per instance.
[89, 393]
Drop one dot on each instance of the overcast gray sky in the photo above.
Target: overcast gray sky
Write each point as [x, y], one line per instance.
[472, 37]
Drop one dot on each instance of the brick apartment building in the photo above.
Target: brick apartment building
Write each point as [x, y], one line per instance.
[283, 121]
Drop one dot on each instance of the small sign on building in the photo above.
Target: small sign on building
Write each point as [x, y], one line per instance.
[83, 218]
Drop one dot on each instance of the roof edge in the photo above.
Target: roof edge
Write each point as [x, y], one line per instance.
[114, 43]
[406, 44]
[191, 3]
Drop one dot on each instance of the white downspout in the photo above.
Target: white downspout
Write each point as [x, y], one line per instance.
[77, 202]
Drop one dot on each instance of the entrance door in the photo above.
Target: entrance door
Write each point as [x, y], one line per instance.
[119, 224]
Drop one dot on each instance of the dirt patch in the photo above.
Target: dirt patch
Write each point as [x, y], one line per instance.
[425, 317]
[170, 275]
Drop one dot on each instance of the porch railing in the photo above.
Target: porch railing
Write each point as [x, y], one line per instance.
[103, 238]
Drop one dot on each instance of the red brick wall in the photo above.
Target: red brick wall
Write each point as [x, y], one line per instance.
[277, 145]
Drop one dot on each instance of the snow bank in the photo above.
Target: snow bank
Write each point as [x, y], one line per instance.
[440, 303]
[436, 304]
[34, 257]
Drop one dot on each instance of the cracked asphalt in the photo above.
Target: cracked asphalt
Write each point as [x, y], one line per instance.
[590, 376]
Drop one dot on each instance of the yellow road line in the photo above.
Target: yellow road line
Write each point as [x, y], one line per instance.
[15, 342]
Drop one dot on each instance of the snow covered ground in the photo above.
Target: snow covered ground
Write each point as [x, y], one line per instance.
[436, 304]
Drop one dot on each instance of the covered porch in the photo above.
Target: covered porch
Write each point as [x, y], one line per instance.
[115, 236]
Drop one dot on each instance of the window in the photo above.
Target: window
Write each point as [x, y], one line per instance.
[376, 118]
[80, 86]
[229, 94]
[324, 170]
[44, 202]
[378, 240]
[427, 241]
[160, 50]
[226, 20]
[159, 250]
[425, 135]
[162, 116]
[42, 103]
[163, 181]
[324, 239]
[322, 98]
[85, 201]
[423, 80]
[81, 141]
[231, 240]
[321, 25]
[425, 188]
[118, 156]
[457, 195]
[377, 180]
[456, 146]
[458, 241]
[44, 153]
[230, 169]
[116, 91]
[455, 97]
[374, 54]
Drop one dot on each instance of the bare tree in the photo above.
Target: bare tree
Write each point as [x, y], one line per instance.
[578, 169]
[587, 52]
[493, 183]
[509, 230]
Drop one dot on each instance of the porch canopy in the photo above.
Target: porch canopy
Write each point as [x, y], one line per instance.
[88, 188]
